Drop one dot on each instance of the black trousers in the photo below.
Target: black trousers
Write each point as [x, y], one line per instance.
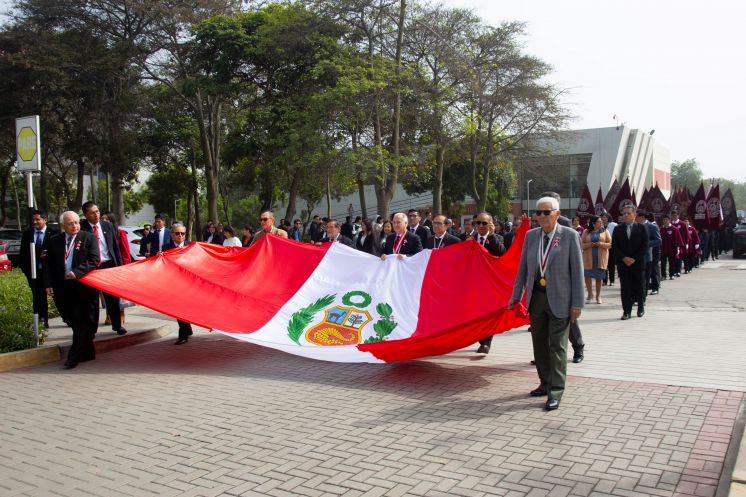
[185, 329]
[549, 336]
[112, 303]
[39, 293]
[576, 338]
[81, 304]
[632, 281]
[611, 275]
[670, 262]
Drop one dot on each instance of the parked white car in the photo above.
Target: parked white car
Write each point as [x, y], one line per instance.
[134, 235]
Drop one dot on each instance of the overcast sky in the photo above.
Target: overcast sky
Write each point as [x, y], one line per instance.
[676, 66]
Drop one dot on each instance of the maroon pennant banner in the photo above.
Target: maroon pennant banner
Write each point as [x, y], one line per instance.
[697, 210]
[599, 206]
[623, 199]
[611, 195]
[713, 208]
[657, 204]
[729, 208]
[585, 207]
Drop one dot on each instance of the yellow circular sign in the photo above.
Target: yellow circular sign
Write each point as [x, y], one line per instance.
[26, 144]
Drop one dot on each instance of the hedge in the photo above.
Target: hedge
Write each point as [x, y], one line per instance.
[17, 313]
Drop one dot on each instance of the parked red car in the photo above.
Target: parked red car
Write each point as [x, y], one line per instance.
[5, 264]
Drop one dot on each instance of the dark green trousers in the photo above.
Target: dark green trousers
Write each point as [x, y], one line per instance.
[549, 335]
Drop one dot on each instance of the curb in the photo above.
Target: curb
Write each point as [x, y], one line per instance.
[53, 353]
[738, 477]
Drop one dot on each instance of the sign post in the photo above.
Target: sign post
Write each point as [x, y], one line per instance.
[28, 160]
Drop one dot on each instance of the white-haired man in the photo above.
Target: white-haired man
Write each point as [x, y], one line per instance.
[71, 255]
[267, 222]
[551, 274]
[401, 242]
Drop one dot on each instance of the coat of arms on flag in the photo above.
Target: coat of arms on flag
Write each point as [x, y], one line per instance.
[341, 324]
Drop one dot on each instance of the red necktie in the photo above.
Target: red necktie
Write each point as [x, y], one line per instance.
[95, 230]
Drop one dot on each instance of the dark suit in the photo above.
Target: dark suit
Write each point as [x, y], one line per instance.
[111, 236]
[632, 278]
[434, 243]
[411, 244]
[154, 241]
[466, 236]
[38, 290]
[185, 329]
[493, 243]
[79, 301]
[422, 232]
[371, 244]
[341, 239]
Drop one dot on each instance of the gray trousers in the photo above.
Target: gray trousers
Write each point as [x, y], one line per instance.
[549, 335]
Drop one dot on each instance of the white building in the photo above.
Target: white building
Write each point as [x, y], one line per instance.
[596, 157]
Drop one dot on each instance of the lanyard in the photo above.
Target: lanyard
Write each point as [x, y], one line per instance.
[398, 243]
[69, 248]
[544, 254]
[440, 242]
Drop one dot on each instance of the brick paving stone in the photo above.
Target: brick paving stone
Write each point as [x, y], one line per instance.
[219, 417]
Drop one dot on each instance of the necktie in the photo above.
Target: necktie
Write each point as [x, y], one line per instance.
[629, 231]
[481, 240]
[38, 239]
[95, 230]
[546, 241]
[158, 240]
[69, 254]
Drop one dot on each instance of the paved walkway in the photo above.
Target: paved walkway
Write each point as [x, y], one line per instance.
[650, 412]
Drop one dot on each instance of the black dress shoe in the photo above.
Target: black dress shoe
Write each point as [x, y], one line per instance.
[69, 365]
[483, 349]
[654, 292]
[538, 392]
[551, 405]
[626, 316]
[640, 312]
[181, 341]
[121, 331]
[578, 358]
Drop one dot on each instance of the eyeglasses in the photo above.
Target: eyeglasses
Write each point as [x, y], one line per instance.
[481, 223]
[438, 222]
[544, 212]
[179, 234]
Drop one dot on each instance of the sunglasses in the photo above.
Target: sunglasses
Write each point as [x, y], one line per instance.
[544, 212]
[179, 234]
[481, 223]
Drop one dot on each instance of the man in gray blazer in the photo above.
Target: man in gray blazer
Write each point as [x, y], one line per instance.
[551, 274]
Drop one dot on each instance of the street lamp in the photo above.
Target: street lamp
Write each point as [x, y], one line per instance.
[528, 195]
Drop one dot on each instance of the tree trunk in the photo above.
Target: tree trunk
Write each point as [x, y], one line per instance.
[117, 197]
[328, 195]
[3, 193]
[195, 192]
[440, 152]
[94, 186]
[359, 176]
[292, 196]
[209, 128]
[80, 186]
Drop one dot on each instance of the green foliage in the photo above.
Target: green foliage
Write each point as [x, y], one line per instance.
[17, 314]
[304, 316]
[687, 174]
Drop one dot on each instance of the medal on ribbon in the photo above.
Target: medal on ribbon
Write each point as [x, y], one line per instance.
[543, 259]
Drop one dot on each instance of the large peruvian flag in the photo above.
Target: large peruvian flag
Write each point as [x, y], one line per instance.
[330, 302]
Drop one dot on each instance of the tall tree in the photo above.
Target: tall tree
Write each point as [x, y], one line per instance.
[686, 173]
